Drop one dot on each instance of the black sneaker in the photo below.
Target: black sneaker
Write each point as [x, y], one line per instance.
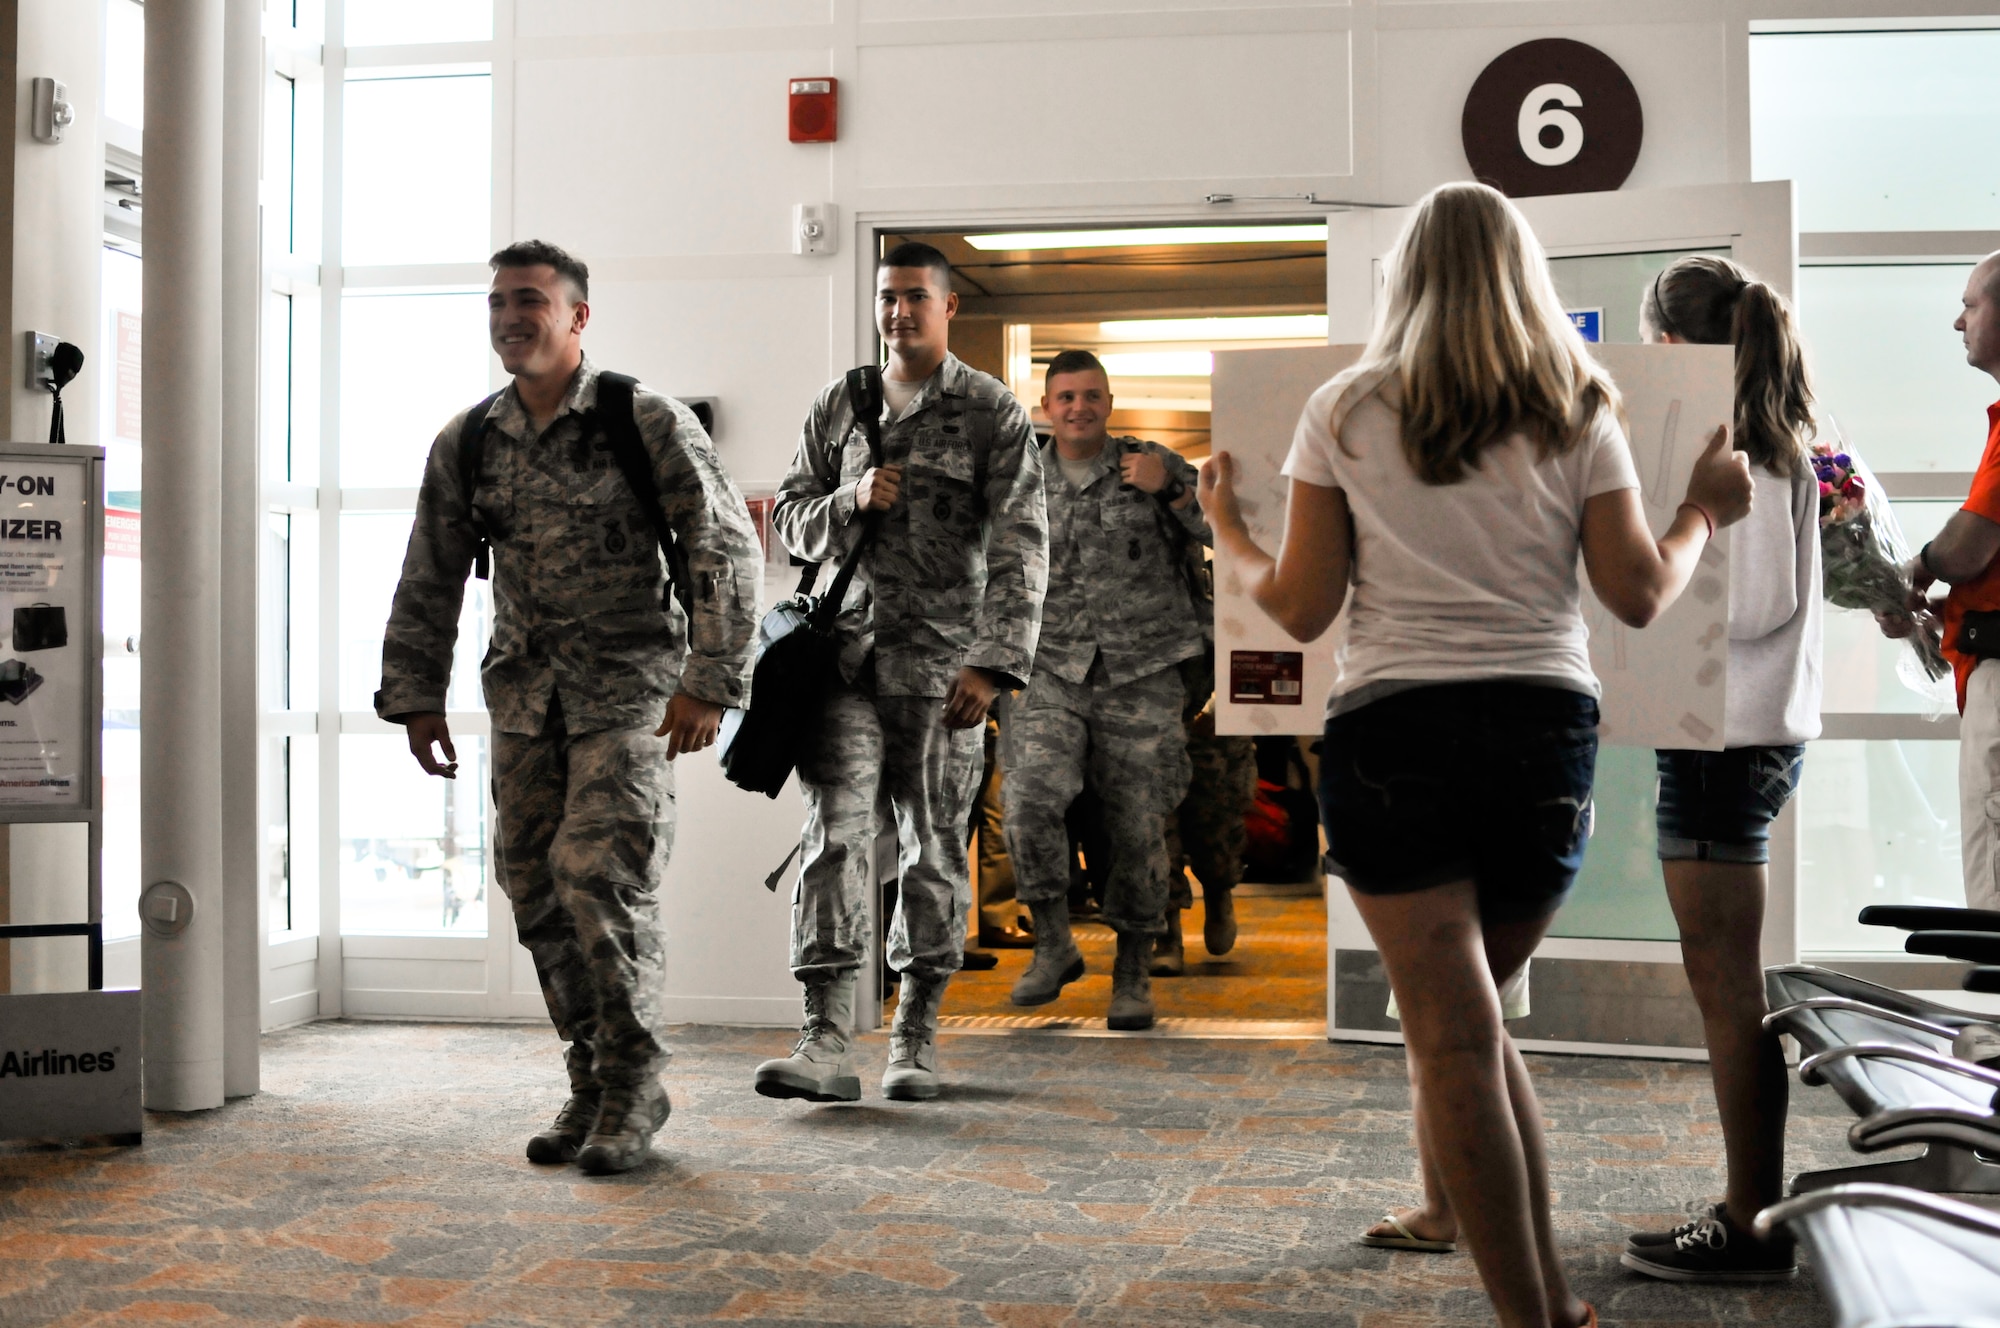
[1715, 1250]
[1640, 1240]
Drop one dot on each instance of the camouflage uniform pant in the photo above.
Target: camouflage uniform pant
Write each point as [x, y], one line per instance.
[1207, 833]
[586, 825]
[869, 746]
[994, 877]
[1128, 744]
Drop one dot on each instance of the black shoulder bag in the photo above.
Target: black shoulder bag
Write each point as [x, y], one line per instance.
[797, 654]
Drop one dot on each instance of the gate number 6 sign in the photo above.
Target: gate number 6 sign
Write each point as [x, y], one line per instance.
[1552, 117]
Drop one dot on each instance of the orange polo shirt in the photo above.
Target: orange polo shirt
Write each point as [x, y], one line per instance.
[1983, 591]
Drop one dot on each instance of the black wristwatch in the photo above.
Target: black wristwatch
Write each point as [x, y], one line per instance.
[1175, 488]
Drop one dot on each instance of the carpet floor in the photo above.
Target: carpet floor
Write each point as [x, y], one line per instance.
[378, 1179]
[1276, 970]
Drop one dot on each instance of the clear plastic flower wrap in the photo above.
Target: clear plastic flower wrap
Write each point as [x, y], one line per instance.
[1863, 557]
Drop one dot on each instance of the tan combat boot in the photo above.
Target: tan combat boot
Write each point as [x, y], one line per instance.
[912, 1073]
[1056, 963]
[626, 1123]
[1169, 956]
[1131, 985]
[559, 1143]
[1218, 921]
[821, 1066]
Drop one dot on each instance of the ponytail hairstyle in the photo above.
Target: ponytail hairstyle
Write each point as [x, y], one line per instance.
[1713, 302]
[1473, 335]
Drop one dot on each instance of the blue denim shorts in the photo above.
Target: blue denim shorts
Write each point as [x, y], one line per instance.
[1484, 781]
[1718, 806]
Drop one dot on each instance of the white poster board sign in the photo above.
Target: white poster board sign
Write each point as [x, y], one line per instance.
[47, 622]
[1661, 689]
[1664, 686]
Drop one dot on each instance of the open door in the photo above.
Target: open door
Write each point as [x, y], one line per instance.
[1608, 979]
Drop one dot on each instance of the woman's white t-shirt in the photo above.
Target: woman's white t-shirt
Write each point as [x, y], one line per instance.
[1466, 581]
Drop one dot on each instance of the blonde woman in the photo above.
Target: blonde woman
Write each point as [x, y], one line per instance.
[1451, 478]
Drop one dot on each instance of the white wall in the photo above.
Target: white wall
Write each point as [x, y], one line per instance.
[58, 225]
[58, 233]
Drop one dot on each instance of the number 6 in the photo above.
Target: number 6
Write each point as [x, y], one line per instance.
[1538, 112]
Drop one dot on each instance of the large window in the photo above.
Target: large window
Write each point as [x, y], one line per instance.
[1887, 135]
[409, 853]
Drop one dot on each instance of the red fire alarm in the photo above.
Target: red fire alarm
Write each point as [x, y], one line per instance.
[815, 110]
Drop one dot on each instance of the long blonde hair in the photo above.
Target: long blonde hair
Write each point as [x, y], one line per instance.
[1473, 334]
[1712, 301]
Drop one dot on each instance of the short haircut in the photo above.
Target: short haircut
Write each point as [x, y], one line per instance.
[915, 253]
[1075, 361]
[540, 253]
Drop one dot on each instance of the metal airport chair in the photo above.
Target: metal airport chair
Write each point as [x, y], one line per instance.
[1889, 1257]
[1889, 1057]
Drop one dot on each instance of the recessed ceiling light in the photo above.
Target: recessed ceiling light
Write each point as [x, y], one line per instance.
[1271, 327]
[1309, 232]
[1159, 364]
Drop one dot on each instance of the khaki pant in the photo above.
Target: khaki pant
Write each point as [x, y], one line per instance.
[1979, 785]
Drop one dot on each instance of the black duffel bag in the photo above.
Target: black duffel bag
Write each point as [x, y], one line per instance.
[797, 654]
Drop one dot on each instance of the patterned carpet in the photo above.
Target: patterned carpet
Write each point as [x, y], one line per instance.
[1276, 970]
[378, 1179]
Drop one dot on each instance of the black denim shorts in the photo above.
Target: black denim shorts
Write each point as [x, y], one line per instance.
[1718, 806]
[1483, 781]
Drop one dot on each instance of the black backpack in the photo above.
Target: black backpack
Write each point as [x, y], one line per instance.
[797, 654]
[617, 413]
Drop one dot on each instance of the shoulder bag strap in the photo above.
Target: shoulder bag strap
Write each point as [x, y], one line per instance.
[618, 410]
[864, 396]
[471, 460]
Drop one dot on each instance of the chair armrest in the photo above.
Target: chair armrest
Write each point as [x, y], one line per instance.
[1810, 1067]
[1861, 1008]
[1926, 917]
[1902, 1127]
[1961, 1215]
[1979, 947]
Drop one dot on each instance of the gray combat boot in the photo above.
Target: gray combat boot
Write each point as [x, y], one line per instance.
[1218, 921]
[912, 1072]
[1056, 962]
[625, 1126]
[1169, 958]
[559, 1143]
[821, 1066]
[1131, 986]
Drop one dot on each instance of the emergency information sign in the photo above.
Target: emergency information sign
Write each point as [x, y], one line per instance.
[47, 617]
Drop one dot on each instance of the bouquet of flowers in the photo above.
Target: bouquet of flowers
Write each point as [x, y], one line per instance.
[1863, 554]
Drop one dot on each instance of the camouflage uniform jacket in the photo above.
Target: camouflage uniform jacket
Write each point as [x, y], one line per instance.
[1116, 578]
[956, 574]
[577, 573]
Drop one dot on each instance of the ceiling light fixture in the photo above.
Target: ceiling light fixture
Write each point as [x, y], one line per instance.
[1159, 364]
[1306, 233]
[1267, 327]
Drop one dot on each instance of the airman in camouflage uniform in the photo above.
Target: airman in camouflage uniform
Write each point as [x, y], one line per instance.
[587, 653]
[1207, 834]
[1105, 704]
[945, 603]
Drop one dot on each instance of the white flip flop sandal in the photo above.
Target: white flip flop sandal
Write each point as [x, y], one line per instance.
[1404, 1239]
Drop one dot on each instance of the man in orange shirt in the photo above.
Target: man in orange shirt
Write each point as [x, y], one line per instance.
[1963, 556]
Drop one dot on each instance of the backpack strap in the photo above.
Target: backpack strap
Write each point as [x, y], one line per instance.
[471, 460]
[618, 412]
